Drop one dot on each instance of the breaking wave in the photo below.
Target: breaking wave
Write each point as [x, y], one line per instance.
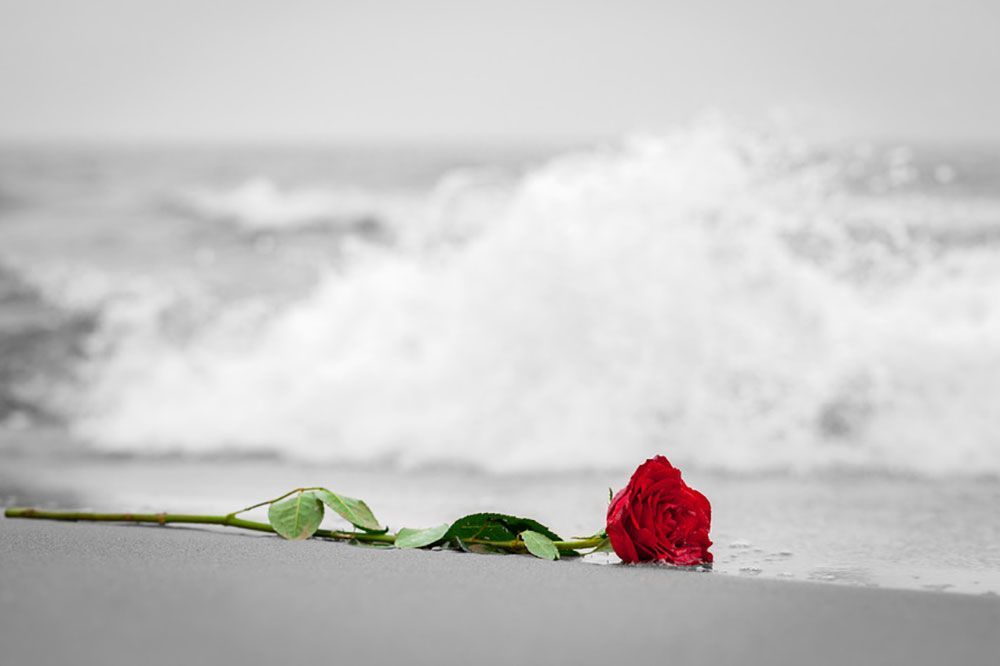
[726, 297]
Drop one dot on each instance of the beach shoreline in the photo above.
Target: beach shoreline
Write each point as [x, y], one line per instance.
[114, 594]
[848, 530]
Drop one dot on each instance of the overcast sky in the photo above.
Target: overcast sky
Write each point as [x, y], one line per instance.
[468, 69]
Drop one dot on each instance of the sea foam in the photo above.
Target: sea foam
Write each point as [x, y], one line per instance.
[717, 295]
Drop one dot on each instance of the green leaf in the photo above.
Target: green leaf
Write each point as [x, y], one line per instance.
[354, 511]
[297, 517]
[599, 533]
[540, 545]
[420, 538]
[603, 547]
[495, 527]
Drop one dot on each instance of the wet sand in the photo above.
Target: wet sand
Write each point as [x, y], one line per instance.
[865, 531]
[116, 594]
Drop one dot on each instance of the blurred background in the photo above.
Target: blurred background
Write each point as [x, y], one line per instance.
[242, 243]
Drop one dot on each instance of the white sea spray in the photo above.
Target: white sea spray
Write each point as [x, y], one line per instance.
[713, 294]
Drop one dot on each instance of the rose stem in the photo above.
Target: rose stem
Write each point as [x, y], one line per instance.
[232, 521]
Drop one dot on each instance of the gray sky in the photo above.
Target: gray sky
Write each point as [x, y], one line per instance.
[467, 69]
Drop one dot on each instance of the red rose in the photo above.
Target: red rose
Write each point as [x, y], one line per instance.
[658, 518]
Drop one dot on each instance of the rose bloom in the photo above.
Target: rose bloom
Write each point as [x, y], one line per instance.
[658, 518]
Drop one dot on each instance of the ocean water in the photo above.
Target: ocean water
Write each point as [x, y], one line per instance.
[810, 331]
[741, 300]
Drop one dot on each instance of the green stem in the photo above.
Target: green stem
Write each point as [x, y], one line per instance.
[276, 499]
[232, 521]
[578, 544]
[164, 518]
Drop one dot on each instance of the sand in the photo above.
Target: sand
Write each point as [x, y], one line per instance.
[117, 594]
[933, 534]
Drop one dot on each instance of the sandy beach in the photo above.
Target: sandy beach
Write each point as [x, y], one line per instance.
[853, 530]
[114, 594]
